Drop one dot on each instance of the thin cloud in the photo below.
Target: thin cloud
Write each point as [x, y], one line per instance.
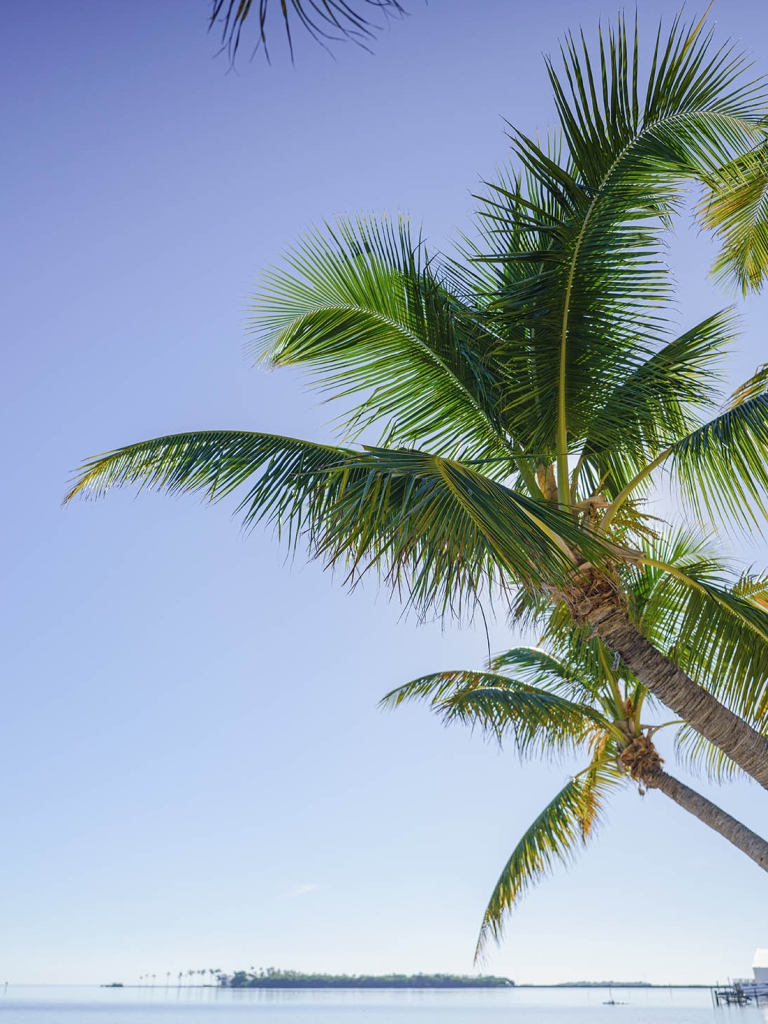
[302, 890]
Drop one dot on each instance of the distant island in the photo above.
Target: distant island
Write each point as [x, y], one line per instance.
[271, 978]
[606, 984]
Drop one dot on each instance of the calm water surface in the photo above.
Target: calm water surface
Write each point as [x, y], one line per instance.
[91, 1005]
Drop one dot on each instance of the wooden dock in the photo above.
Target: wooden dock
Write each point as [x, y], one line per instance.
[739, 994]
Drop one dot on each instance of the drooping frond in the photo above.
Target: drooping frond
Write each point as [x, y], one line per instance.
[555, 836]
[735, 209]
[701, 757]
[722, 467]
[323, 20]
[709, 622]
[724, 640]
[432, 527]
[534, 720]
[683, 548]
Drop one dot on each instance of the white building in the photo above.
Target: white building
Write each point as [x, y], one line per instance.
[760, 966]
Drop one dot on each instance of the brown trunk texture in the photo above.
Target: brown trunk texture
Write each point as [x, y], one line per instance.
[686, 698]
[741, 837]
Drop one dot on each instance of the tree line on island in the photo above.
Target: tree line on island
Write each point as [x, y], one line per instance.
[272, 978]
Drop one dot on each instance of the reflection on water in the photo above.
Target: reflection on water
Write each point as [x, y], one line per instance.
[93, 1005]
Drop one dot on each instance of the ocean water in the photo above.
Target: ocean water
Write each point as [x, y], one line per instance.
[93, 1005]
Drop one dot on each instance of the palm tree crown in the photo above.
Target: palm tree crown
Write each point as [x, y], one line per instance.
[529, 392]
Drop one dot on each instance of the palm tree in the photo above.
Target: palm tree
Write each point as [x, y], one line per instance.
[325, 20]
[529, 392]
[560, 703]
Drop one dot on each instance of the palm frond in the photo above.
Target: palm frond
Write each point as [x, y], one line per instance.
[709, 622]
[539, 663]
[433, 528]
[609, 115]
[541, 668]
[753, 587]
[546, 250]
[722, 466]
[735, 209]
[724, 639]
[555, 836]
[683, 548]
[656, 404]
[701, 757]
[362, 307]
[588, 310]
[535, 720]
[323, 20]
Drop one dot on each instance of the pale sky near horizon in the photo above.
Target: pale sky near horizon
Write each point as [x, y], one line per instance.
[194, 770]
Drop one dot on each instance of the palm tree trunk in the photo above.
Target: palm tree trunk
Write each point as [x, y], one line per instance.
[678, 691]
[741, 837]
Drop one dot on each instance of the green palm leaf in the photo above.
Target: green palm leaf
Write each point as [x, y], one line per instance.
[724, 639]
[432, 527]
[555, 836]
[323, 20]
[532, 659]
[711, 623]
[362, 306]
[597, 276]
[701, 757]
[534, 719]
[609, 284]
[656, 404]
[544, 669]
[722, 467]
[735, 209]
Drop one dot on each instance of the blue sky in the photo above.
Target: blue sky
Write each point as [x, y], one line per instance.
[194, 770]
